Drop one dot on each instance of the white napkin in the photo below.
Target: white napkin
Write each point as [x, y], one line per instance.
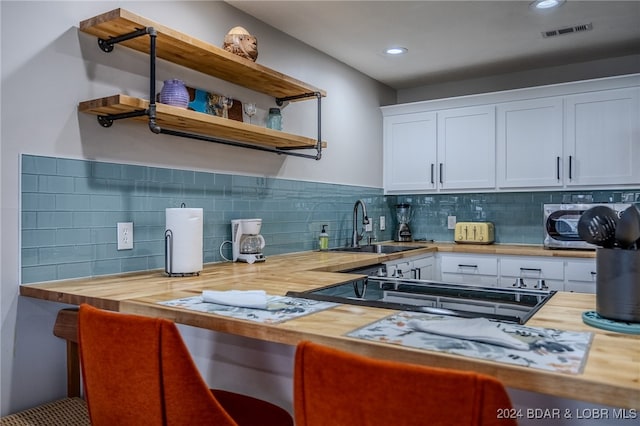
[477, 329]
[244, 298]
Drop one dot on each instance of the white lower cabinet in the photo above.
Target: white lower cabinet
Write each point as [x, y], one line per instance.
[470, 269]
[419, 267]
[531, 273]
[580, 275]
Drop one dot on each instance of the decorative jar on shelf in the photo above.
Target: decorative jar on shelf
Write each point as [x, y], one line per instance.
[174, 93]
[274, 120]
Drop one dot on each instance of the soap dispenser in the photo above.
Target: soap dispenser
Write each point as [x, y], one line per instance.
[323, 241]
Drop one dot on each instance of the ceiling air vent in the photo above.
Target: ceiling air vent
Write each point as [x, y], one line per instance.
[567, 30]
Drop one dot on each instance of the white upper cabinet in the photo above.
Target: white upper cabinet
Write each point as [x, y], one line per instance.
[410, 152]
[466, 148]
[603, 138]
[563, 136]
[529, 143]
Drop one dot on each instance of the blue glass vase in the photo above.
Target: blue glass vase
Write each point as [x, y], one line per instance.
[174, 93]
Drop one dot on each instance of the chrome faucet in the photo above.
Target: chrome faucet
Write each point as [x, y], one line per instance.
[355, 239]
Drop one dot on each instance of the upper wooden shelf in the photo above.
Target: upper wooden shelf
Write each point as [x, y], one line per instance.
[190, 52]
[182, 119]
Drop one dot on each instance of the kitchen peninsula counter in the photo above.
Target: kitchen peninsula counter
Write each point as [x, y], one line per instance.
[611, 374]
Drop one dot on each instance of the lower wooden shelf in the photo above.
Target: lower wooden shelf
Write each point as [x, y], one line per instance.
[185, 120]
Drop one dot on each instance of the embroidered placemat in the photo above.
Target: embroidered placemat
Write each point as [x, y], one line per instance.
[549, 349]
[279, 308]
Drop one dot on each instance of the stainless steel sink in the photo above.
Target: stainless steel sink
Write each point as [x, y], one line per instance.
[376, 248]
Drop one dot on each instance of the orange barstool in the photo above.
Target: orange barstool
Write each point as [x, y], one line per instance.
[137, 370]
[338, 388]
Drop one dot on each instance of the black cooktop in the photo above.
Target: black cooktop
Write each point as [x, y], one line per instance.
[505, 304]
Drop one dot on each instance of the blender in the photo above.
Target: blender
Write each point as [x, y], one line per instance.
[403, 213]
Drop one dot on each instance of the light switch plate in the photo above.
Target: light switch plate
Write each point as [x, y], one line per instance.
[383, 223]
[451, 222]
[125, 235]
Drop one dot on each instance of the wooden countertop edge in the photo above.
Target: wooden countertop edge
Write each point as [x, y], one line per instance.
[292, 332]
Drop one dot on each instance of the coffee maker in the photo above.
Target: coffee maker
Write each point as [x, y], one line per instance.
[247, 243]
[403, 232]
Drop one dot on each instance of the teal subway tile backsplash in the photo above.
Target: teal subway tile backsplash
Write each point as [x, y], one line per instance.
[70, 209]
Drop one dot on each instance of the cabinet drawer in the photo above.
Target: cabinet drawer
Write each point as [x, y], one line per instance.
[469, 265]
[470, 279]
[581, 271]
[533, 268]
[580, 287]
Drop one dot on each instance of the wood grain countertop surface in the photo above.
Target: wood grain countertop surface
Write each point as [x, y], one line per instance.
[611, 375]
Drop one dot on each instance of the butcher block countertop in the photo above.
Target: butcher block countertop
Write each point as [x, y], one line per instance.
[611, 374]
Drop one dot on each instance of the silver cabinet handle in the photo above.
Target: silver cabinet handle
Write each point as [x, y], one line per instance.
[433, 166]
[558, 168]
[441, 179]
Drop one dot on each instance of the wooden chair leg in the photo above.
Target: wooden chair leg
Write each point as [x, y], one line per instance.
[66, 327]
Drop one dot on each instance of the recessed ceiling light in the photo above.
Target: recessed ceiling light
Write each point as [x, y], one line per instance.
[546, 4]
[396, 51]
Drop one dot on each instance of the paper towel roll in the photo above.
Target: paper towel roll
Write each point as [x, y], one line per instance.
[185, 254]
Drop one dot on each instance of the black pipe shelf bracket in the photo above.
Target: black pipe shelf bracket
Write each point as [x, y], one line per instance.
[106, 120]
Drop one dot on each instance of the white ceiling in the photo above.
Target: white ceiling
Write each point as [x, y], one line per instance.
[452, 40]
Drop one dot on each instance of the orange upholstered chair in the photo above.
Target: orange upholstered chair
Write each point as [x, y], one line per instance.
[337, 388]
[137, 371]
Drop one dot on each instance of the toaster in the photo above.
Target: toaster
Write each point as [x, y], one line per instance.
[474, 233]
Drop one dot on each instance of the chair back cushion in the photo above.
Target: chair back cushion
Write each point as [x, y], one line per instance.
[333, 387]
[138, 371]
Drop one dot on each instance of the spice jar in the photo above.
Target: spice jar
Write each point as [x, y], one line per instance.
[274, 121]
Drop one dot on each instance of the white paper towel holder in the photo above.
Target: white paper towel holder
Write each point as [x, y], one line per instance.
[168, 255]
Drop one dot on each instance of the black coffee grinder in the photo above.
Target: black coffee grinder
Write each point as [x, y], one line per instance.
[403, 232]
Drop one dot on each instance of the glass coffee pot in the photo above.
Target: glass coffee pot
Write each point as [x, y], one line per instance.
[251, 244]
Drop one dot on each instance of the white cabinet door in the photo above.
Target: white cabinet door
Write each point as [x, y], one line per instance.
[581, 276]
[424, 268]
[602, 140]
[529, 143]
[531, 272]
[410, 152]
[466, 148]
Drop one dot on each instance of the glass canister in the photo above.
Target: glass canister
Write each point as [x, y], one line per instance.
[174, 93]
[274, 120]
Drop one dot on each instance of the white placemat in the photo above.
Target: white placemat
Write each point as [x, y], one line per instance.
[278, 309]
[548, 349]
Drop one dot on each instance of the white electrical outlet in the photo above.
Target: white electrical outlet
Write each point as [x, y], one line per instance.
[125, 235]
[383, 223]
[451, 222]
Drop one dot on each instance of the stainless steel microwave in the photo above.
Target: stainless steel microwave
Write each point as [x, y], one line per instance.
[561, 224]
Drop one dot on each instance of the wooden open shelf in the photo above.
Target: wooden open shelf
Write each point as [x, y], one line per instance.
[182, 119]
[190, 52]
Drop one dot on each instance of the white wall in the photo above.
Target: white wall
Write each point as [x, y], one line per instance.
[48, 66]
[517, 80]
